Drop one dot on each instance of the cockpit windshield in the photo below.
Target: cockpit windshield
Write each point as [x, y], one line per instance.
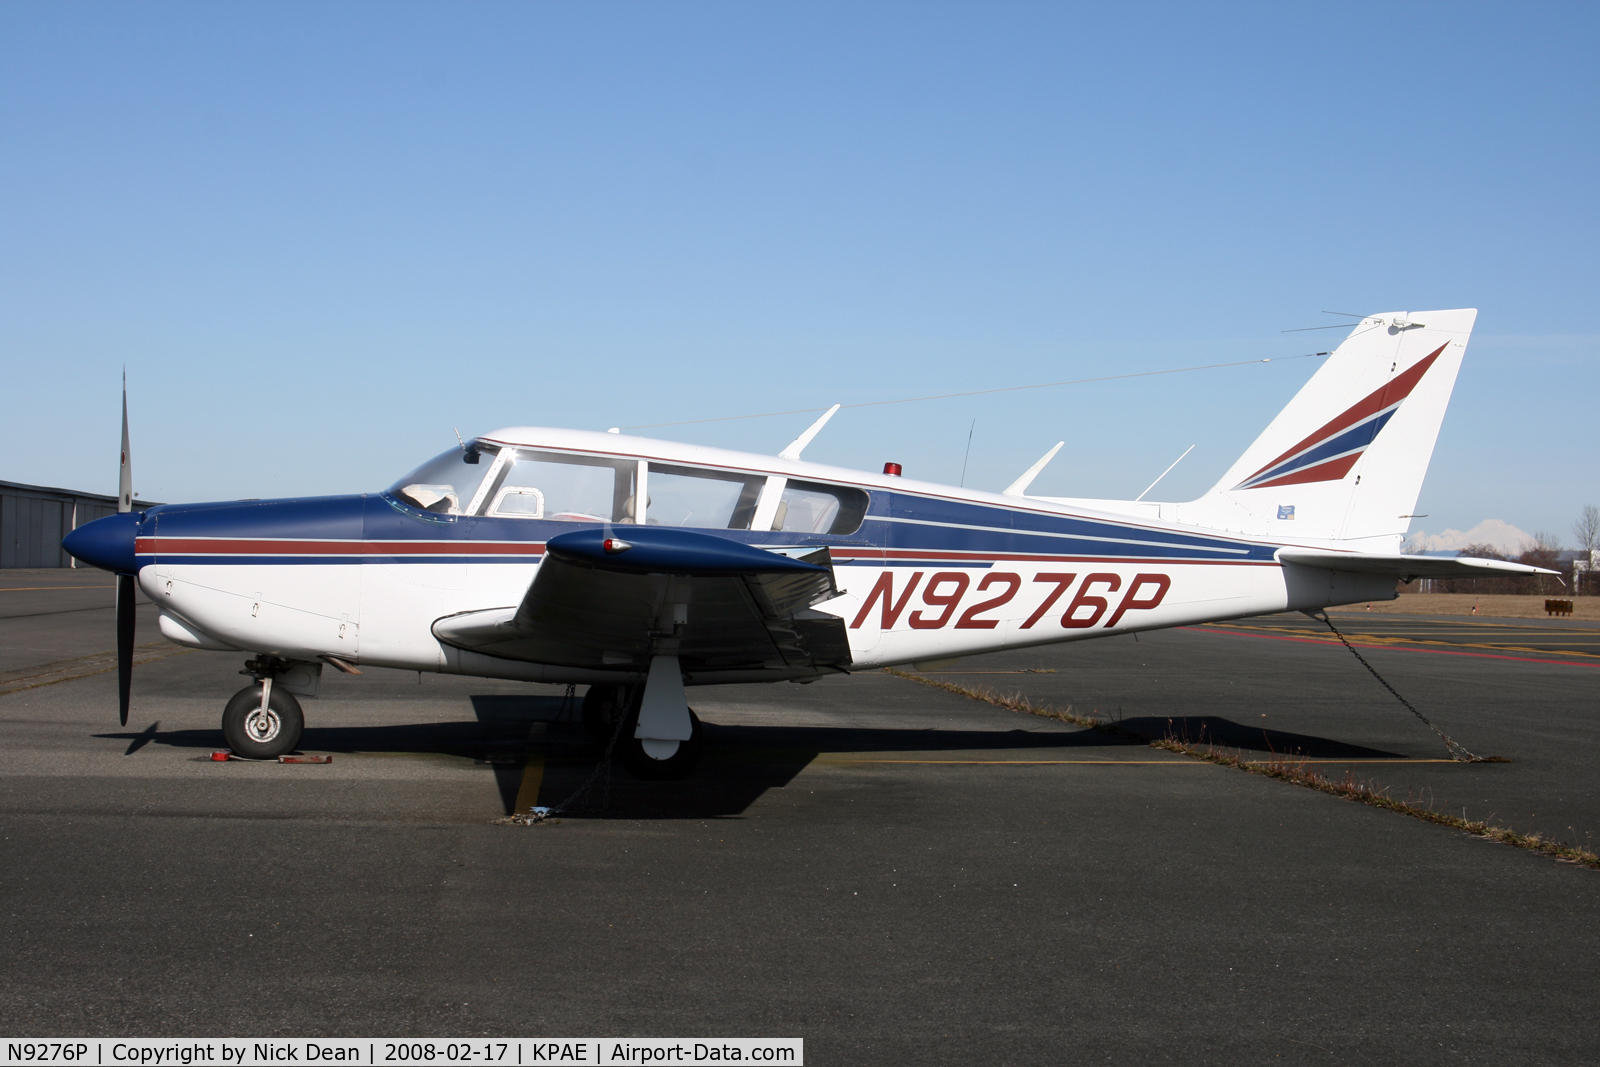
[447, 484]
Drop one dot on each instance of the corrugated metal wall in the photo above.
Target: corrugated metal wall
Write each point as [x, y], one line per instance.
[34, 519]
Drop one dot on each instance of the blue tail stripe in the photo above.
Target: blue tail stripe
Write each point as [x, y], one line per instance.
[1358, 437]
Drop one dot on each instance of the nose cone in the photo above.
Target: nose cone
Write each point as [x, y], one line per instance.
[106, 543]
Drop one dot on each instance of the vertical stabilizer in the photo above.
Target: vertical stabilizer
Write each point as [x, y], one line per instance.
[1344, 461]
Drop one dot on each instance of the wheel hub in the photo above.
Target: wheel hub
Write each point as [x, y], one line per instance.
[262, 726]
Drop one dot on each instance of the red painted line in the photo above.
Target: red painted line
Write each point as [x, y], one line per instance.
[932, 554]
[1397, 648]
[178, 546]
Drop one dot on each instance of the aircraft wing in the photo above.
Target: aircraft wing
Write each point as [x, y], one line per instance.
[613, 598]
[1404, 566]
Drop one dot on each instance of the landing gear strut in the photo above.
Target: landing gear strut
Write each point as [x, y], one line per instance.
[658, 736]
[262, 721]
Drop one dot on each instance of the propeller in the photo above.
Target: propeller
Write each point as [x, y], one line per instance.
[125, 608]
[126, 604]
[111, 543]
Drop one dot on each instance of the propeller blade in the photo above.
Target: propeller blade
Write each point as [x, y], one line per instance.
[125, 590]
[125, 620]
[125, 471]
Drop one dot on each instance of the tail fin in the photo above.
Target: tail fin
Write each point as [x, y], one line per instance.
[1345, 460]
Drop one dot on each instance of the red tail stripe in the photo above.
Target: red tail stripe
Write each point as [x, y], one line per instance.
[1391, 393]
[1330, 471]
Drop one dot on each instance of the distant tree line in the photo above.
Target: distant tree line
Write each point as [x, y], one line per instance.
[1543, 551]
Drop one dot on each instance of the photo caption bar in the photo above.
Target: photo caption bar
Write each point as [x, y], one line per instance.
[372, 1052]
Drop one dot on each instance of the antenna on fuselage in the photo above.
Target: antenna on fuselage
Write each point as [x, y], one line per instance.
[469, 453]
[799, 443]
[1164, 473]
[1020, 486]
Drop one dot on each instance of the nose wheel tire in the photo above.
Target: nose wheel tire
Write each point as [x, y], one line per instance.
[255, 735]
[643, 758]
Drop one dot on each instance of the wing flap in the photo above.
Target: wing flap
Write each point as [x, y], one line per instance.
[714, 603]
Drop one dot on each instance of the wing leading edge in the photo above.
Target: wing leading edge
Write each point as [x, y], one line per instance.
[614, 598]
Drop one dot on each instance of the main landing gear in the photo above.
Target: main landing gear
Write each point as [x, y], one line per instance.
[261, 721]
[657, 735]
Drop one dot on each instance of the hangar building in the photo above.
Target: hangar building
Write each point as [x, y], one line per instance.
[34, 519]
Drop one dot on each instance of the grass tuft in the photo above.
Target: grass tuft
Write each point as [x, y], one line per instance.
[1284, 768]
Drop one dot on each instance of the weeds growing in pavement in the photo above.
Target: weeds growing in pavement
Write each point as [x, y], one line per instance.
[1016, 702]
[1284, 768]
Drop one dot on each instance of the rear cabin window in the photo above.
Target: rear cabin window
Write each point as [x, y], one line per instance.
[548, 485]
[711, 500]
[811, 507]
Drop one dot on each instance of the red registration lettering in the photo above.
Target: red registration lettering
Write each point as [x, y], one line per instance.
[1083, 600]
[1062, 582]
[1131, 599]
[885, 589]
[969, 619]
[947, 601]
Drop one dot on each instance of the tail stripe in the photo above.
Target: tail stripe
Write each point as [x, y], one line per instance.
[1342, 438]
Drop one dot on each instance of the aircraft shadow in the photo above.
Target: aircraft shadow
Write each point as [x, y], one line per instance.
[741, 762]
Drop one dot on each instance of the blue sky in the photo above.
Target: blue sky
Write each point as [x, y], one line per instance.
[321, 235]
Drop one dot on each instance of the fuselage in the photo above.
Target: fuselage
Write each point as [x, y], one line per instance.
[927, 572]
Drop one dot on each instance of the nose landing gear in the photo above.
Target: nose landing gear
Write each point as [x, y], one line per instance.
[260, 721]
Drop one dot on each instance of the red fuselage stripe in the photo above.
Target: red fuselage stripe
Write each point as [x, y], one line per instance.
[181, 546]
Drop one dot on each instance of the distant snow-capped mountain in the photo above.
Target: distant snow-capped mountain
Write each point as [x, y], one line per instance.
[1502, 535]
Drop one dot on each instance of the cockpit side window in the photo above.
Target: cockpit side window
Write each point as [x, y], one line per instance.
[446, 484]
[549, 485]
[711, 500]
[811, 507]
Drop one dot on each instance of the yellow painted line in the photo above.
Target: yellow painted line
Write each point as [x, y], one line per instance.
[1369, 640]
[1521, 649]
[533, 773]
[1512, 630]
[1394, 618]
[1437, 627]
[1576, 639]
[1291, 759]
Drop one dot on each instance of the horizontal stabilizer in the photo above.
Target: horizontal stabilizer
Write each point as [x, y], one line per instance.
[1406, 567]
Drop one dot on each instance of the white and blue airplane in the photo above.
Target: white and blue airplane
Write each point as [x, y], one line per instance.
[639, 567]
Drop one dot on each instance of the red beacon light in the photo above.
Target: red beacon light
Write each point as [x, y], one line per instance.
[892, 468]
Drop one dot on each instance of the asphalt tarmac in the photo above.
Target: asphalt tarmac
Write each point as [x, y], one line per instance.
[894, 873]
